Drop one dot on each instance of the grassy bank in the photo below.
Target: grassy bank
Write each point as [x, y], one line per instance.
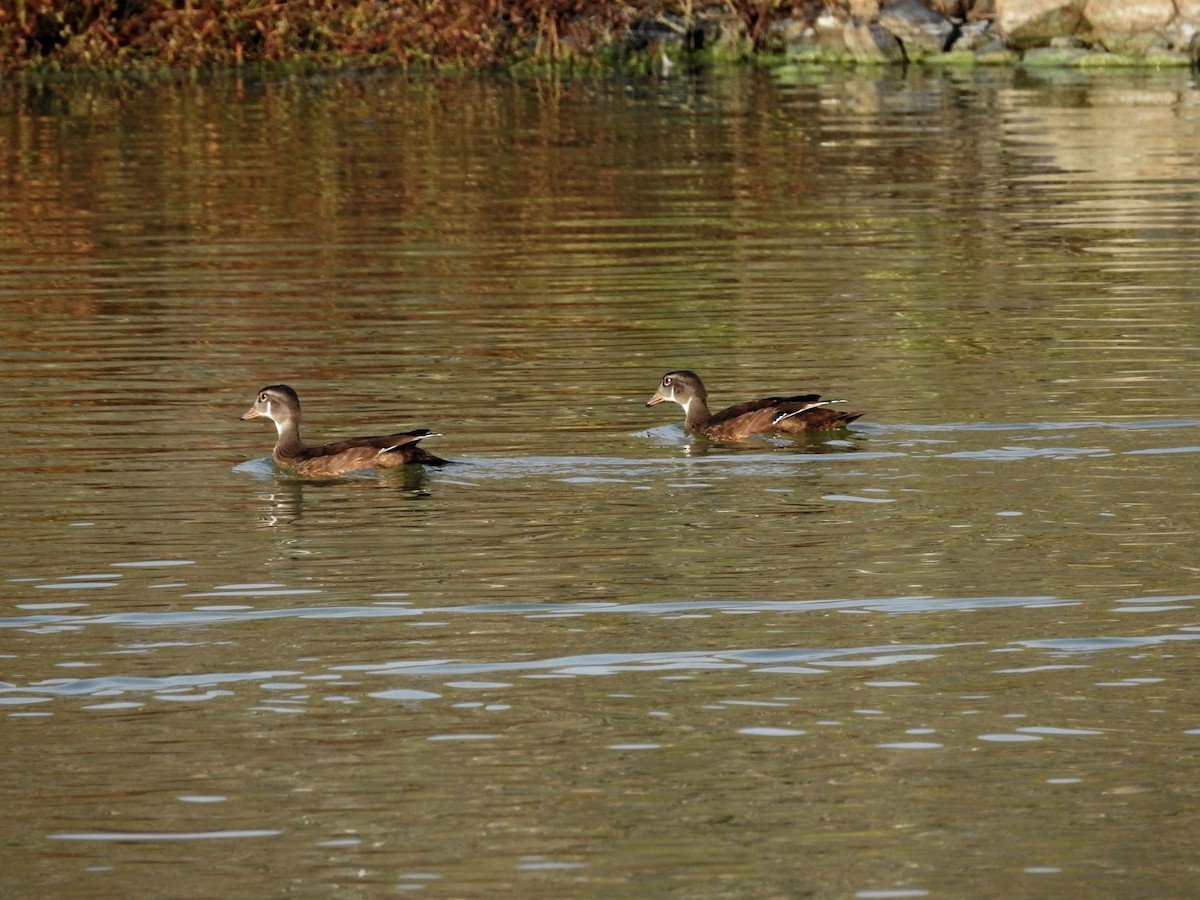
[193, 34]
[167, 35]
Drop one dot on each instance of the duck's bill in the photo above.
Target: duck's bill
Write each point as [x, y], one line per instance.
[655, 400]
[251, 413]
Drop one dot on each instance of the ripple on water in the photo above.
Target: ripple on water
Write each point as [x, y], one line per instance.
[122, 836]
[619, 469]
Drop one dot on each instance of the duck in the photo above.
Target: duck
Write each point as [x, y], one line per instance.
[281, 404]
[770, 415]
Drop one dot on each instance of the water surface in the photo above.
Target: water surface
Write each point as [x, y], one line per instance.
[948, 652]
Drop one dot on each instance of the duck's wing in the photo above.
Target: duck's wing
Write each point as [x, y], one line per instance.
[803, 412]
[743, 420]
[316, 462]
[402, 448]
[378, 452]
[765, 409]
[378, 443]
[813, 417]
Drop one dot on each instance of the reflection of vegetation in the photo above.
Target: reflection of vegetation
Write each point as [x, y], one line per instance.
[472, 33]
[885, 239]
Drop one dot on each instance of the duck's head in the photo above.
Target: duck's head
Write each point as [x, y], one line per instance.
[679, 387]
[277, 402]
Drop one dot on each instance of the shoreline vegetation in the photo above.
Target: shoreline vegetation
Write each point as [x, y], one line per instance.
[154, 36]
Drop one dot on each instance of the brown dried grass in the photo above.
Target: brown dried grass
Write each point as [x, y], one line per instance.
[204, 33]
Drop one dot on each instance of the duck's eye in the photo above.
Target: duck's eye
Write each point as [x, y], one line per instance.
[666, 382]
[262, 397]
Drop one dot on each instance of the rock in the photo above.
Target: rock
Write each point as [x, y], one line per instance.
[822, 37]
[1189, 11]
[1067, 42]
[981, 10]
[863, 10]
[1183, 31]
[973, 36]
[1129, 16]
[921, 30]
[1130, 27]
[1146, 32]
[951, 9]
[1030, 23]
[871, 43]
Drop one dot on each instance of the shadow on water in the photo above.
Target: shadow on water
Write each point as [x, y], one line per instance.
[843, 441]
[409, 478]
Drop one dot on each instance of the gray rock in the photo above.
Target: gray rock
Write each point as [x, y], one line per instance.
[973, 36]
[919, 28]
[871, 43]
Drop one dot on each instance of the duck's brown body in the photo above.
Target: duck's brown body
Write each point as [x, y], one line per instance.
[281, 405]
[770, 415]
